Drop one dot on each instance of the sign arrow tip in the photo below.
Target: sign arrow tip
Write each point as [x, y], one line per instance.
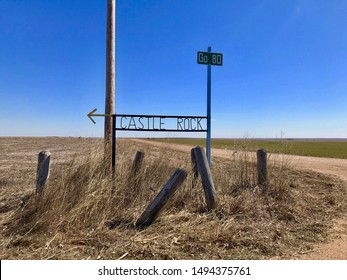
[91, 114]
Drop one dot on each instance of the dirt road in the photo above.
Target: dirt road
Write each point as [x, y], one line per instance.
[336, 248]
[328, 166]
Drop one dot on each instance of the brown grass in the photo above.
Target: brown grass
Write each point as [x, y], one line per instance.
[78, 217]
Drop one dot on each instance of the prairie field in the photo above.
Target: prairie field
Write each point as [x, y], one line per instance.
[84, 213]
[302, 147]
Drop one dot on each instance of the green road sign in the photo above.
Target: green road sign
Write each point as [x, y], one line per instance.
[210, 58]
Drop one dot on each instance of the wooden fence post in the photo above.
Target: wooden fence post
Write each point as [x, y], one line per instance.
[206, 177]
[42, 174]
[194, 169]
[133, 181]
[153, 210]
[262, 167]
[137, 162]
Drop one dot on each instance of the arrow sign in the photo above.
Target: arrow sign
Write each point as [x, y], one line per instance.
[91, 114]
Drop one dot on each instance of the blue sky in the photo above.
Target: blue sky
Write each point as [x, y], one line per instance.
[284, 72]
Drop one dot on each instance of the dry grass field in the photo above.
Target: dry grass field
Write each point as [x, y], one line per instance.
[78, 216]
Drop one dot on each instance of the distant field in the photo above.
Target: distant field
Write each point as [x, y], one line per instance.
[315, 148]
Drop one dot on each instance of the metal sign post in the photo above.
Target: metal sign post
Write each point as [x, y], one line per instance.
[209, 59]
[208, 137]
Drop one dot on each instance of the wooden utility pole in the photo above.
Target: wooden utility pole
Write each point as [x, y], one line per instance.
[110, 80]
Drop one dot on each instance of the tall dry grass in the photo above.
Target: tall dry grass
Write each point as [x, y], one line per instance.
[250, 221]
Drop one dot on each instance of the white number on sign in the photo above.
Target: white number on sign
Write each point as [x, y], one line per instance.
[216, 59]
[203, 58]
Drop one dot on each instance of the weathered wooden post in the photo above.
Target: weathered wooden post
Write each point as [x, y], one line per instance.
[153, 210]
[133, 181]
[194, 169]
[110, 82]
[137, 162]
[42, 170]
[206, 177]
[262, 167]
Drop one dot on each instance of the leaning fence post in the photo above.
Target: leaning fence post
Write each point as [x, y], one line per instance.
[262, 166]
[42, 170]
[206, 177]
[153, 210]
